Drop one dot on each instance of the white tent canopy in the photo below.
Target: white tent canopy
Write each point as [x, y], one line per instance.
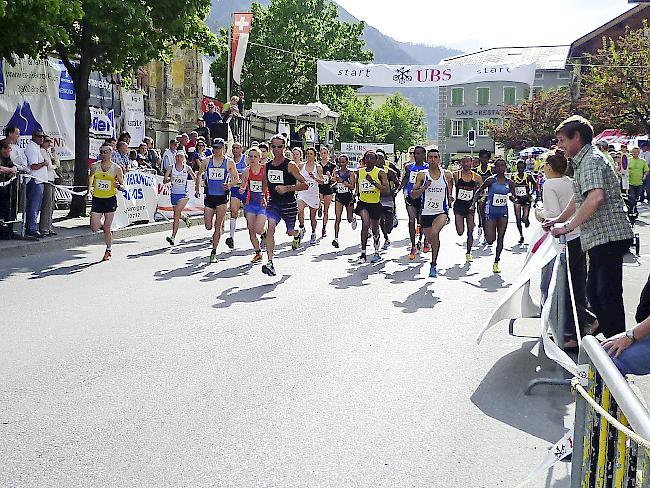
[312, 112]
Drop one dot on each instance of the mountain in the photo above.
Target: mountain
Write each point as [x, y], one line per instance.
[386, 50]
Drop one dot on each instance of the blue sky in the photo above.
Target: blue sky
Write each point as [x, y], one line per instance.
[474, 24]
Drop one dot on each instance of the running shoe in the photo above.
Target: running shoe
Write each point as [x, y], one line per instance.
[354, 224]
[521, 240]
[469, 258]
[375, 258]
[386, 245]
[433, 272]
[296, 242]
[427, 247]
[362, 259]
[257, 258]
[495, 268]
[170, 240]
[526, 223]
[320, 211]
[107, 255]
[335, 243]
[186, 219]
[302, 232]
[230, 242]
[213, 258]
[312, 241]
[268, 269]
[413, 253]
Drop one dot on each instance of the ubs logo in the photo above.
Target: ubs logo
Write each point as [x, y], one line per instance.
[402, 75]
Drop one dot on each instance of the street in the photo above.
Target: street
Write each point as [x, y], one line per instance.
[159, 369]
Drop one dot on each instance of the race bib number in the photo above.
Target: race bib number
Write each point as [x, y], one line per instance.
[255, 186]
[216, 173]
[433, 205]
[465, 195]
[326, 179]
[276, 177]
[311, 184]
[341, 188]
[366, 186]
[499, 200]
[103, 185]
[412, 177]
[520, 191]
[178, 181]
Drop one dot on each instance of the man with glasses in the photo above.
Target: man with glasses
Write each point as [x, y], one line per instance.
[38, 170]
[284, 180]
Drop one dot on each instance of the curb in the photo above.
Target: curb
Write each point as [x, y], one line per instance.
[24, 249]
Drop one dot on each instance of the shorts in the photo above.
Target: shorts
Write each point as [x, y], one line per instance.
[345, 199]
[214, 201]
[254, 209]
[175, 197]
[287, 212]
[386, 210]
[235, 192]
[373, 209]
[426, 221]
[463, 208]
[104, 205]
[410, 202]
[312, 201]
[325, 189]
[494, 213]
[526, 200]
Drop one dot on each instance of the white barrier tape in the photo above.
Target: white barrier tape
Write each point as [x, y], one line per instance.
[7, 183]
[558, 452]
[60, 187]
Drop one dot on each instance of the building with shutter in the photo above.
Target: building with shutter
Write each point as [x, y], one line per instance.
[472, 105]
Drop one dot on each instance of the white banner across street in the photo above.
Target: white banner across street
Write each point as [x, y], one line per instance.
[422, 76]
[358, 148]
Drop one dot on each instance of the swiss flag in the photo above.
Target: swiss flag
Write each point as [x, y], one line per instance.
[241, 28]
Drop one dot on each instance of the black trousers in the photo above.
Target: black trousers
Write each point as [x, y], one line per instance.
[605, 285]
[578, 268]
[8, 204]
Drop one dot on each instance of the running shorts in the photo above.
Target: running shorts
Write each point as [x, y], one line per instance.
[175, 197]
[462, 208]
[413, 202]
[525, 200]
[214, 201]
[283, 211]
[235, 192]
[325, 189]
[104, 205]
[373, 209]
[426, 221]
[345, 199]
[254, 209]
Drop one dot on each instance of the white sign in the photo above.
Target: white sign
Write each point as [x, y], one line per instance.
[194, 205]
[102, 126]
[133, 116]
[422, 76]
[138, 201]
[361, 147]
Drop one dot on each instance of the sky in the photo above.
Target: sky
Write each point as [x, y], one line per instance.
[469, 25]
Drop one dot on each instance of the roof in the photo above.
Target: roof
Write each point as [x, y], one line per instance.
[545, 57]
[318, 112]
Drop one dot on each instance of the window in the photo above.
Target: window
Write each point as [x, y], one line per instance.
[510, 95]
[457, 97]
[481, 128]
[563, 75]
[456, 128]
[539, 75]
[483, 96]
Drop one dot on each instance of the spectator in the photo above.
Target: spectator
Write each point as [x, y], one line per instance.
[605, 232]
[38, 170]
[240, 103]
[142, 150]
[264, 149]
[230, 115]
[623, 169]
[299, 138]
[112, 142]
[124, 137]
[8, 191]
[191, 144]
[121, 156]
[201, 152]
[12, 133]
[202, 130]
[169, 157]
[214, 122]
[637, 171]
[153, 158]
[47, 207]
[604, 148]
[133, 160]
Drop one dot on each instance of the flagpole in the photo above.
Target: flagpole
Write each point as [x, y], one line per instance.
[229, 61]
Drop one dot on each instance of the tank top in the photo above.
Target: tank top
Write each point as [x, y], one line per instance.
[369, 193]
[179, 180]
[104, 181]
[241, 165]
[434, 200]
[340, 187]
[484, 174]
[216, 178]
[465, 189]
[412, 171]
[279, 175]
[522, 184]
[387, 200]
[313, 186]
[498, 195]
[328, 168]
[254, 187]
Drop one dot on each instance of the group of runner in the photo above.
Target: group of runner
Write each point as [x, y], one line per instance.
[280, 188]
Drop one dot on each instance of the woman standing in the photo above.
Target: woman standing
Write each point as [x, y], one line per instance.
[496, 208]
[345, 182]
[524, 186]
[47, 207]
[178, 174]
[325, 188]
[313, 174]
[255, 189]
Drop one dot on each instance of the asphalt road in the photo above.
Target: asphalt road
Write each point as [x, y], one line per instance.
[159, 369]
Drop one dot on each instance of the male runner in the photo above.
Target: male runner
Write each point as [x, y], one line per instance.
[236, 194]
[524, 186]
[387, 200]
[413, 205]
[484, 170]
[466, 182]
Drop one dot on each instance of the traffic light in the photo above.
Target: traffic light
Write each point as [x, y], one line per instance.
[471, 138]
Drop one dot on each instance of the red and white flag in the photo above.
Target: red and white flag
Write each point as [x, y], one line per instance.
[241, 28]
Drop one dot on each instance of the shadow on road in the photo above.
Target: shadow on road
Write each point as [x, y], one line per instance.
[228, 273]
[256, 294]
[194, 266]
[404, 275]
[357, 276]
[332, 256]
[457, 272]
[420, 299]
[501, 395]
[518, 249]
[490, 284]
[63, 270]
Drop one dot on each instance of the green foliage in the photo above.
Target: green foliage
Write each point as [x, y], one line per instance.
[533, 122]
[615, 93]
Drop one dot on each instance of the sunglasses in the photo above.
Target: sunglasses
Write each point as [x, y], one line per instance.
[277, 147]
[411, 153]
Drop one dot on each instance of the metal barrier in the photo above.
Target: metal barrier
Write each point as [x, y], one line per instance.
[605, 453]
[241, 128]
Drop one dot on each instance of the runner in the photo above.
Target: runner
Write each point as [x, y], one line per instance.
[312, 172]
[524, 186]
[236, 195]
[345, 181]
[496, 209]
[413, 205]
[296, 156]
[484, 170]
[217, 168]
[178, 174]
[325, 189]
[435, 188]
[371, 184]
[105, 178]
[466, 182]
[264, 148]
[387, 201]
[255, 189]
[284, 180]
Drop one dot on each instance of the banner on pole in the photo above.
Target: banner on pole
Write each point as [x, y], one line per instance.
[133, 116]
[241, 29]
[419, 76]
[138, 201]
[358, 148]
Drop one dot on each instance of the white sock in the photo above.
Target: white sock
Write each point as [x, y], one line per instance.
[233, 227]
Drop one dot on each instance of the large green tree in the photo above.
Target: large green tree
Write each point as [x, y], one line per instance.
[110, 36]
[403, 122]
[615, 89]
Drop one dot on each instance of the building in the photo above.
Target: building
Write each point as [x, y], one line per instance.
[473, 105]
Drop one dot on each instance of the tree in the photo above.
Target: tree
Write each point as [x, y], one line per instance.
[357, 122]
[110, 36]
[615, 90]
[403, 122]
[533, 122]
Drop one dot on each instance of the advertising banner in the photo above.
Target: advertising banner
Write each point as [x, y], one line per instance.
[138, 202]
[102, 126]
[133, 116]
[419, 76]
[194, 205]
[358, 148]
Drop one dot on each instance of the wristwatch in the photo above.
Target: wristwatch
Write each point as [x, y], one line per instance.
[630, 335]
